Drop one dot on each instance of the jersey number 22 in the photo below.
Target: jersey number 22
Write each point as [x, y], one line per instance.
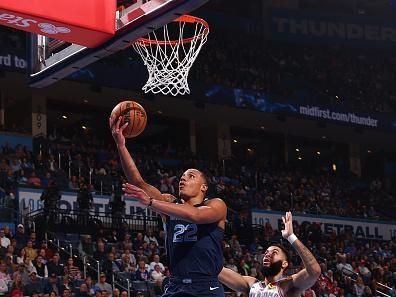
[185, 233]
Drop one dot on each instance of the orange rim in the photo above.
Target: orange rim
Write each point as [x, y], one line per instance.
[186, 19]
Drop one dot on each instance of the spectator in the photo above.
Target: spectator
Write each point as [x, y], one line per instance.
[45, 251]
[98, 293]
[34, 180]
[66, 292]
[126, 244]
[90, 286]
[140, 256]
[72, 271]
[17, 286]
[156, 261]
[102, 285]
[21, 237]
[21, 273]
[138, 241]
[132, 259]
[235, 246]
[4, 275]
[150, 237]
[359, 287]
[110, 266]
[142, 274]
[126, 264]
[41, 267]
[52, 285]
[51, 197]
[100, 253]
[31, 252]
[83, 291]
[29, 265]
[116, 292]
[33, 238]
[55, 267]
[157, 275]
[310, 293]
[363, 270]
[65, 285]
[4, 241]
[243, 268]
[33, 286]
[85, 202]
[8, 232]
[231, 265]
[113, 238]
[3, 287]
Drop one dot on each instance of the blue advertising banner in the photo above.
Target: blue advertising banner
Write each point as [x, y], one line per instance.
[264, 102]
[14, 140]
[354, 30]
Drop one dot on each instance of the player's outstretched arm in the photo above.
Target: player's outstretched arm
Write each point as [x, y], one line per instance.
[214, 211]
[235, 281]
[307, 277]
[128, 165]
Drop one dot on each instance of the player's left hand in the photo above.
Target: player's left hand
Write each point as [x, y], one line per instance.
[288, 222]
[136, 192]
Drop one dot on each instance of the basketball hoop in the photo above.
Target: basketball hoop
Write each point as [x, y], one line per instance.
[168, 58]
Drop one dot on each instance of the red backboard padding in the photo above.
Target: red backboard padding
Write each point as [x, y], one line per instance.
[85, 22]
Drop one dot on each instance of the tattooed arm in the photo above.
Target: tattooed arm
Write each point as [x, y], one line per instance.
[307, 277]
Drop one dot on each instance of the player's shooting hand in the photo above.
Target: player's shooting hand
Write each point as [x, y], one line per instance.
[136, 192]
[116, 130]
[288, 222]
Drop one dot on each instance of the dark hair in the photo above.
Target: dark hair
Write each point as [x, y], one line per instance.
[204, 177]
[284, 250]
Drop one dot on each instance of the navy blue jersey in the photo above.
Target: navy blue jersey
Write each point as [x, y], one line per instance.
[194, 250]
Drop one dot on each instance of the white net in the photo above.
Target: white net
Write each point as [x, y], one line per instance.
[169, 60]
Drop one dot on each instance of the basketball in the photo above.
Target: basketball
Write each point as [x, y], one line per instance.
[132, 113]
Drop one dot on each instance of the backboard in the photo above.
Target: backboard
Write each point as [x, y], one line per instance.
[51, 59]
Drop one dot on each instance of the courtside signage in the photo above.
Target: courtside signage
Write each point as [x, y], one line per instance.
[360, 228]
[29, 200]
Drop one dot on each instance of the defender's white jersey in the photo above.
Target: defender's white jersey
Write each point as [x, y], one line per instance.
[259, 289]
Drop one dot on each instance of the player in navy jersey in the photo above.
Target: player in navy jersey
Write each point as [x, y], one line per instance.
[275, 262]
[194, 226]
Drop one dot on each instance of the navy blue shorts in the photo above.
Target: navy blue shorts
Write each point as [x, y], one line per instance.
[192, 287]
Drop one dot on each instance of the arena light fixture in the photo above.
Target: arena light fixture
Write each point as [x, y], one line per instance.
[64, 116]
[318, 153]
[300, 158]
[235, 141]
[297, 150]
[84, 127]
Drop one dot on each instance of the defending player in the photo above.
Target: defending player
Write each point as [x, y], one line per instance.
[275, 262]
